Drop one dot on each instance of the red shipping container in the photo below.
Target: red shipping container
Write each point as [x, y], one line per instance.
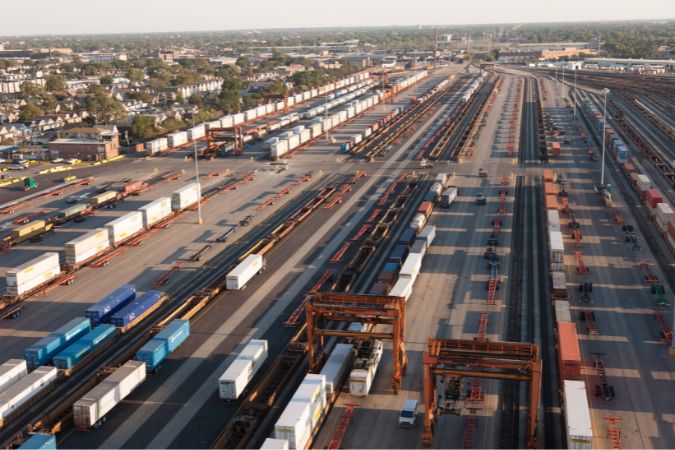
[131, 187]
[555, 148]
[653, 197]
[550, 189]
[552, 202]
[425, 208]
[569, 354]
[548, 175]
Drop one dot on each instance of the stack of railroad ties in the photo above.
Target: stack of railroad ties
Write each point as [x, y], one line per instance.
[659, 210]
[301, 419]
[30, 276]
[577, 412]
[179, 138]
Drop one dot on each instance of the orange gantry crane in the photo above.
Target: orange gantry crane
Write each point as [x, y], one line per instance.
[367, 309]
[481, 359]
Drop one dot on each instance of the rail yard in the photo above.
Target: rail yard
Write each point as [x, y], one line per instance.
[437, 254]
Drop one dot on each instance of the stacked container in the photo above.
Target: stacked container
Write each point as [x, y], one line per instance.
[177, 138]
[241, 371]
[664, 214]
[365, 367]
[163, 344]
[87, 246]
[101, 311]
[91, 408]
[185, 196]
[35, 272]
[136, 310]
[155, 211]
[39, 441]
[43, 351]
[124, 227]
[74, 353]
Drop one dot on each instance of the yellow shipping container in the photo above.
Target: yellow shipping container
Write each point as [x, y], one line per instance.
[29, 228]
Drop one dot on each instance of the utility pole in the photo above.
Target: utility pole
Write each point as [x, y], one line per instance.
[199, 186]
[604, 125]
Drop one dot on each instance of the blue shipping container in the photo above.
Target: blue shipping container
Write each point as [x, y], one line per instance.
[110, 304]
[135, 309]
[163, 344]
[43, 351]
[40, 441]
[72, 355]
[344, 146]
[175, 333]
[153, 353]
[407, 236]
[390, 267]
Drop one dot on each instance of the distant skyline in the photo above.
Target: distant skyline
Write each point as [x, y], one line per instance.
[151, 16]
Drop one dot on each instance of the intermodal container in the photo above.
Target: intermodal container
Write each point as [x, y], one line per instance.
[398, 254]
[578, 429]
[552, 202]
[428, 234]
[39, 441]
[274, 444]
[74, 353]
[653, 197]
[425, 208]
[27, 388]
[35, 272]
[124, 227]
[569, 355]
[157, 349]
[402, 288]
[12, 371]
[335, 369]
[155, 211]
[411, 266]
[186, 196]
[550, 189]
[136, 309]
[95, 404]
[548, 175]
[562, 311]
[242, 274]
[120, 297]
[30, 227]
[86, 246]
[43, 351]
[239, 374]
[407, 236]
[101, 199]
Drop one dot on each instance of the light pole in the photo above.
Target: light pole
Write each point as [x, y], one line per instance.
[604, 125]
[574, 116]
[199, 186]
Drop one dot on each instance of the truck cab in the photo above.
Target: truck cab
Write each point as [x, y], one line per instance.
[481, 199]
[482, 172]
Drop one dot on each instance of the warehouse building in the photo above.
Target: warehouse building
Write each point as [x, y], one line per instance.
[87, 144]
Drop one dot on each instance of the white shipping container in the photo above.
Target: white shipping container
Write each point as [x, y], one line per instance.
[557, 247]
[305, 135]
[643, 182]
[293, 141]
[411, 266]
[125, 226]
[196, 132]
[279, 106]
[279, 149]
[234, 380]
[16, 395]
[260, 110]
[214, 124]
[33, 269]
[402, 288]
[226, 121]
[553, 219]
[155, 211]
[418, 221]
[315, 130]
[86, 246]
[238, 118]
[562, 311]
[256, 351]
[336, 366]
[177, 138]
[294, 424]
[96, 403]
[428, 233]
[12, 371]
[250, 114]
[274, 444]
[269, 108]
[35, 282]
[247, 269]
[362, 376]
[313, 390]
[185, 196]
[578, 428]
[664, 214]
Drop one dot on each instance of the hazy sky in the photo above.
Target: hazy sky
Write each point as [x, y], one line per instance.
[121, 16]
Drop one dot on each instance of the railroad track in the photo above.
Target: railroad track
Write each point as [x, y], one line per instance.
[52, 411]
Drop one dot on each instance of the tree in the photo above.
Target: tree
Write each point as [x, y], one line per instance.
[245, 64]
[143, 127]
[102, 107]
[136, 75]
[172, 124]
[106, 80]
[55, 83]
[29, 111]
[29, 89]
[229, 99]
